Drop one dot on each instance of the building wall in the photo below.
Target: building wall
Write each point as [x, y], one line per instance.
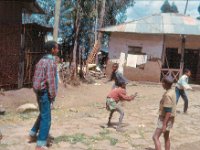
[10, 38]
[153, 45]
[174, 41]
[150, 72]
[119, 42]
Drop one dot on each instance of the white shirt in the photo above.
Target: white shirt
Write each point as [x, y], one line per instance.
[183, 83]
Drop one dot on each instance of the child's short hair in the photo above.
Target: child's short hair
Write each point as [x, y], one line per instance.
[186, 70]
[169, 80]
[120, 84]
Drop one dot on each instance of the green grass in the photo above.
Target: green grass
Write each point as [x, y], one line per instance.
[87, 140]
[73, 139]
[3, 146]
[28, 115]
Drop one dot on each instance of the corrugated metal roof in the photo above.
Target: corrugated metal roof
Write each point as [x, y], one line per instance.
[164, 23]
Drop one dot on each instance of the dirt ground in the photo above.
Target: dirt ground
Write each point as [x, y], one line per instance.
[80, 112]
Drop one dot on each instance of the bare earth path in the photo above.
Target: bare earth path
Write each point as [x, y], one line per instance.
[79, 112]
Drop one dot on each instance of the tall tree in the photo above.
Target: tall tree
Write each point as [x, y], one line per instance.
[174, 8]
[48, 19]
[57, 18]
[166, 7]
[198, 11]
[79, 19]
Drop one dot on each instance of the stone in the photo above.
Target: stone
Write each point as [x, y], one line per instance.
[27, 108]
[73, 110]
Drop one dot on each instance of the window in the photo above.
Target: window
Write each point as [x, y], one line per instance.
[135, 50]
[135, 57]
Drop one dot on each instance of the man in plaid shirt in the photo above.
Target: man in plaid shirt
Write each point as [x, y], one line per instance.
[45, 85]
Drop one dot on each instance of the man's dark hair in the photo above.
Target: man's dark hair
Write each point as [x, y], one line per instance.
[49, 45]
[186, 70]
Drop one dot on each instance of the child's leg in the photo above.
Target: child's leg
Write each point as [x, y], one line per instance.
[121, 112]
[167, 140]
[110, 117]
[185, 98]
[177, 94]
[1, 136]
[156, 137]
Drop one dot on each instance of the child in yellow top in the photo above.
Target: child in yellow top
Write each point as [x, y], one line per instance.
[167, 112]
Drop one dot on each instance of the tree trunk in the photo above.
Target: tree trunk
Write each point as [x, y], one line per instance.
[96, 21]
[101, 20]
[77, 28]
[97, 45]
[56, 23]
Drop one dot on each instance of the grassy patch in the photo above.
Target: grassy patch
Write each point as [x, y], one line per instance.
[113, 141]
[141, 132]
[28, 115]
[87, 140]
[3, 146]
[73, 139]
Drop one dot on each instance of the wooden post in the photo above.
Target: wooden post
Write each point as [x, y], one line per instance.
[56, 23]
[186, 5]
[21, 62]
[182, 54]
[163, 50]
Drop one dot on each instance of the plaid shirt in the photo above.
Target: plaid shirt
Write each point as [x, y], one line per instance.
[45, 75]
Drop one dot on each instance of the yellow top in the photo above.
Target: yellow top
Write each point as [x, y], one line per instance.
[168, 100]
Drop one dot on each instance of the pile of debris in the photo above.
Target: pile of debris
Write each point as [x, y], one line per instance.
[66, 74]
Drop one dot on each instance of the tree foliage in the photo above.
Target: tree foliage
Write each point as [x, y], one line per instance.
[48, 18]
[198, 11]
[79, 20]
[167, 8]
[199, 8]
[89, 14]
[174, 8]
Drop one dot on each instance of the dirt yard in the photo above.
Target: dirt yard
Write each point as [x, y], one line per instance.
[80, 112]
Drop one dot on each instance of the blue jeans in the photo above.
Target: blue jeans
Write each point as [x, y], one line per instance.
[180, 92]
[43, 122]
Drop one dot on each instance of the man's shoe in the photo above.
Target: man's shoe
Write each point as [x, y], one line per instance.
[50, 137]
[41, 148]
[50, 140]
[32, 139]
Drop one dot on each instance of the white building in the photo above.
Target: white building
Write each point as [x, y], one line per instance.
[153, 46]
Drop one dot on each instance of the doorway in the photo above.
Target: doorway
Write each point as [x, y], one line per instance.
[191, 61]
[172, 59]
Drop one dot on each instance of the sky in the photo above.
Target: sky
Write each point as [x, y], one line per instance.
[144, 8]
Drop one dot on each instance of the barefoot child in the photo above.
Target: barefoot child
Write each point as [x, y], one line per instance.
[116, 95]
[181, 87]
[167, 112]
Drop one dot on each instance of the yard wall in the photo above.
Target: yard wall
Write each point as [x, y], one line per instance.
[10, 39]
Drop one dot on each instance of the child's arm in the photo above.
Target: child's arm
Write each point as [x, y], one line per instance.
[167, 116]
[126, 97]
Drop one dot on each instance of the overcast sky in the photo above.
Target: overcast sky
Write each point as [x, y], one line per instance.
[144, 8]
